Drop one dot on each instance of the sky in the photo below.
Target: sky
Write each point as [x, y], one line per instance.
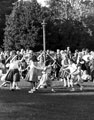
[42, 2]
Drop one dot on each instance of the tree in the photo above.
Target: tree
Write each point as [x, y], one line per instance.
[23, 26]
[69, 27]
[5, 8]
[68, 24]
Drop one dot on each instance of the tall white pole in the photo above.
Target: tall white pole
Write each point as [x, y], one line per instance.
[44, 40]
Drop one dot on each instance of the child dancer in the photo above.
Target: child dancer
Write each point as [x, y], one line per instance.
[45, 76]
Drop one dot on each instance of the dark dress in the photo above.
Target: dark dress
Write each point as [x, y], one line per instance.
[13, 74]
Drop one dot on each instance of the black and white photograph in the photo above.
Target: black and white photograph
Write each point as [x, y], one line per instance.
[46, 59]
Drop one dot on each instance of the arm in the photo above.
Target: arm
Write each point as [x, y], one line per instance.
[39, 68]
[13, 58]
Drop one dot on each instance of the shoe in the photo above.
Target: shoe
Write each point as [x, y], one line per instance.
[53, 90]
[34, 89]
[81, 88]
[61, 80]
[12, 89]
[41, 86]
[72, 89]
[5, 85]
[31, 91]
[17, 88]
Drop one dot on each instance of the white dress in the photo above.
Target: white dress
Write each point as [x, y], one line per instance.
[33, 73]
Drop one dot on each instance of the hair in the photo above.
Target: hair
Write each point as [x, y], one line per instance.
[14, 52]
[34, 58]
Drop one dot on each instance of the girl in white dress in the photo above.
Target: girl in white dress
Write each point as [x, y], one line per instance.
[70, 69]
[33, 73]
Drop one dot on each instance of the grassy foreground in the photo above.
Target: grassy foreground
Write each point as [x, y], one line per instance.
[45, 105]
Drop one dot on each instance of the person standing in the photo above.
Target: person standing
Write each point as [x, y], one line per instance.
[13, 75]
[33, 73]
[58, 63]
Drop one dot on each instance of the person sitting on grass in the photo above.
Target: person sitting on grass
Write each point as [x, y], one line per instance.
[85, 77]
[76, 78]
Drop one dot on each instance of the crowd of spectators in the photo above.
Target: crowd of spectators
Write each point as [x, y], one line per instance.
[61, 65]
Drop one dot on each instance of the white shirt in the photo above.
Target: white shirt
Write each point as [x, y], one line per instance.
[72, 67]
[14, 65]
[86, 57]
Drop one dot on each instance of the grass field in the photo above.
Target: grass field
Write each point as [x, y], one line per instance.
[45, 105]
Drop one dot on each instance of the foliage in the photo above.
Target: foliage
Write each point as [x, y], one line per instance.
[22, 26]
[5, 8]
[70, 19]
[68, 23]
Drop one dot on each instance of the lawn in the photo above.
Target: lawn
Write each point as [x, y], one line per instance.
[45, 105]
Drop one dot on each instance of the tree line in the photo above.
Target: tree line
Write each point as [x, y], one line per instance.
[68, 23]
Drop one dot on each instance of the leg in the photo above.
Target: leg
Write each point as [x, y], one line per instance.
[32, 87]
[4, 83]
[15, 83]
[80, 86]
[68, 81]
[42, 80]
[65, 82]
[72, 83]
[41, 83]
